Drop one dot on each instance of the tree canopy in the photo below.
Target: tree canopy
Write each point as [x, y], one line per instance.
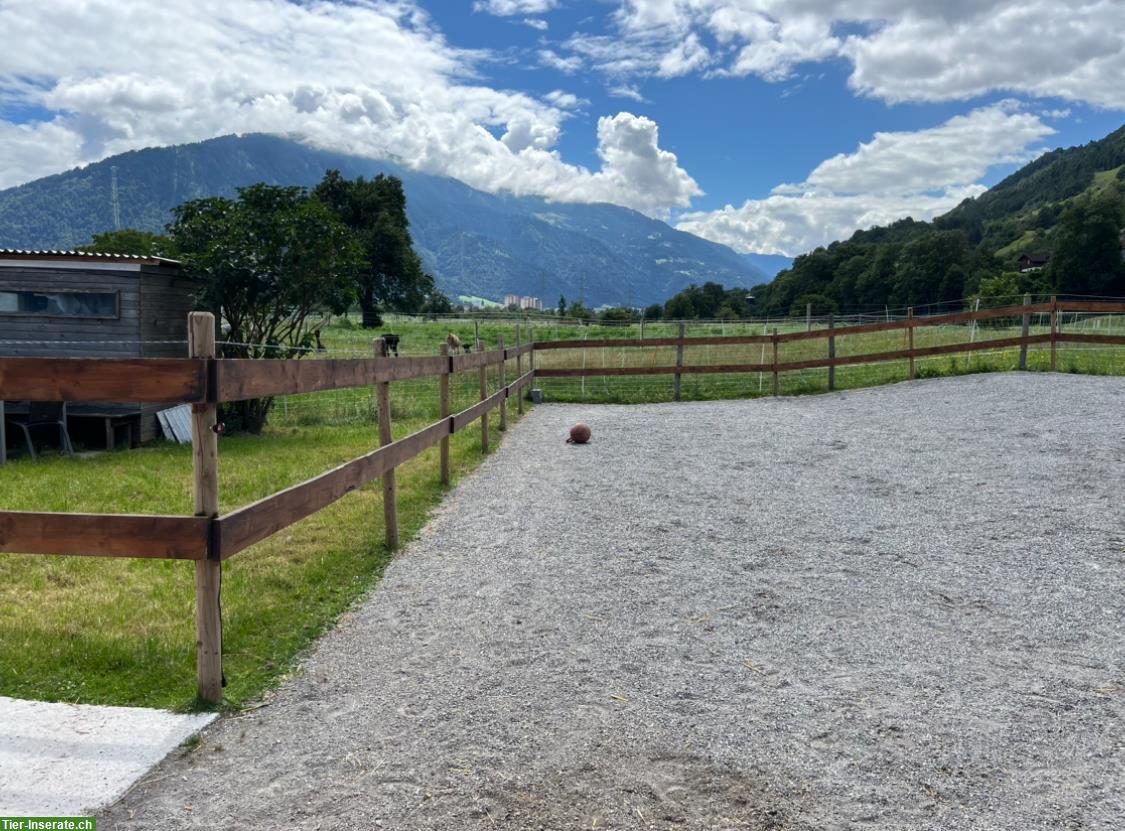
[131, 241]
[269, 262]
[391, 276]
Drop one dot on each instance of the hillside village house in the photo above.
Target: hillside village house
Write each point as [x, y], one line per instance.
[68, 304]
[1033, 262]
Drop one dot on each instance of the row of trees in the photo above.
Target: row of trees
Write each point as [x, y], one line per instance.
[913, 264]
[272, 262]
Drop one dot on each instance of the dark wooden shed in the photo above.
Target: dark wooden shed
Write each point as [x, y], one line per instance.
[78, 305]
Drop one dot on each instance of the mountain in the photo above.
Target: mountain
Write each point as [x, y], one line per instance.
[474, 243]
[1068, 206]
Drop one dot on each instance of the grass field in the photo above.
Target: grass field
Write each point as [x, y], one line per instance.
[118, 631]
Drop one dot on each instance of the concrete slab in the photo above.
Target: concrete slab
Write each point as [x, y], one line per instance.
[69, 759]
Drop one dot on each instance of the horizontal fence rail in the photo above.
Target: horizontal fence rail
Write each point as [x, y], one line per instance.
[105, 535]
[155, 380]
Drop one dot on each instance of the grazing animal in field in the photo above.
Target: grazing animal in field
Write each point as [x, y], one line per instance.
[392, 343]
[453, 341]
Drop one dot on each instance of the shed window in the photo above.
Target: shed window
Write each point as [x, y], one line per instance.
[61, 304]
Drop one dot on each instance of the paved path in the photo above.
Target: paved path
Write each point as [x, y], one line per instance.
[59, 759]
[896, 608]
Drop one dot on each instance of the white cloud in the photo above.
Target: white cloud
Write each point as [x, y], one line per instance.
[373, 78]
[919, 174]
[899, 50]
[688, 56]
[793, 224]
[565, 100]
[537, 23]
[957, 152]
[627, 91]
[553, 60]
[508, 8]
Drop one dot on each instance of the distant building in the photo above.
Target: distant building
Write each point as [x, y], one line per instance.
[511, 300]
[530, 303]
[1033, 261]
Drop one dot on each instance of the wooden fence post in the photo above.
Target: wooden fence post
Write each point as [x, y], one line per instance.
[776, 381]
[831, 352]
[910, 343]
[808, 317]
[483, 395]
[503, 383]
[1054, 330]
[390, 495]
[679, 363]
[531, 352]
[519, 370]
[1025, 332]
[205, 481]
[445, 408]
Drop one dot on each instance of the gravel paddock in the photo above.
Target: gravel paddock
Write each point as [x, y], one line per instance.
[891, 608]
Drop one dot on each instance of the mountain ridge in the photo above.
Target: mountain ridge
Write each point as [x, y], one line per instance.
[474, 243]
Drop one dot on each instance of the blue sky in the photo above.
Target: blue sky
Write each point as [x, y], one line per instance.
[739, 137]
[769, 125]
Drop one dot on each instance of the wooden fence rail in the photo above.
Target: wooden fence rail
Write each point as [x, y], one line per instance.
[203, 381]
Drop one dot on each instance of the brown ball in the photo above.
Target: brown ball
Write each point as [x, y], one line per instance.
[579, 434]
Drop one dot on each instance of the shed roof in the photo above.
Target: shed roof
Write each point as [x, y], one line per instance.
[72, 256]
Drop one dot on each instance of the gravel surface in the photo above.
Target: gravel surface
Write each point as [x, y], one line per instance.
[893, 608]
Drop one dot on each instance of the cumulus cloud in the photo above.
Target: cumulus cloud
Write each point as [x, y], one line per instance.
[899, 50]
[919, 174]
[373, 78]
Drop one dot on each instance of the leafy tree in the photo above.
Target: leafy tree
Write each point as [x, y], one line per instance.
[617, 314]
[130, 241]
[269, 261]
[579, 311]
[375, 210]
[923, 265]
[653, 312]
[681, 306]
[437, 303]
[708, 302]
[562, 306]
[1087, 257]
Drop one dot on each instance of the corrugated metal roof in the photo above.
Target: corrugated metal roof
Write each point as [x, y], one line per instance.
[26, 254]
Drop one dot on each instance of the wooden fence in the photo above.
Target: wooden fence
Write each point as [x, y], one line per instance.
[203, 381]
[1054, 308]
